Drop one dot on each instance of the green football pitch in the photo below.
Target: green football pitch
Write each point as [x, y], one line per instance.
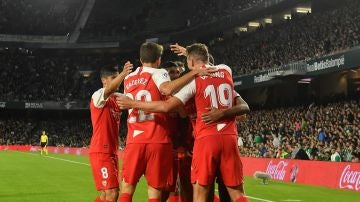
[31, 177]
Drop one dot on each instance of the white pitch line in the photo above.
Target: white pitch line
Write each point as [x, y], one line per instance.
[70, 161]
[61, 159]
[258, 199]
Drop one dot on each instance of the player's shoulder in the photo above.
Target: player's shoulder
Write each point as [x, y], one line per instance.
[224, 67]
[133, 73]
[97, 92]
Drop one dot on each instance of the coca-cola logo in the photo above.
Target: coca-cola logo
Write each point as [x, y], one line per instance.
[350, 179]
[277, 171]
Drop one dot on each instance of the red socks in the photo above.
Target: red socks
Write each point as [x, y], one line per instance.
[242, 199]
[98, 199]
[125, 197]
[216, 198]
[107, 201]
[173, 198]
[154, 200]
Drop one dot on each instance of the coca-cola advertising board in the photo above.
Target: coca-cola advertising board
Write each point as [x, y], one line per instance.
[341, 175]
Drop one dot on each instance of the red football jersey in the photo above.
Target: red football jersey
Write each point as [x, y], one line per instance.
[143, 127]
[215, 91]
[105, 118]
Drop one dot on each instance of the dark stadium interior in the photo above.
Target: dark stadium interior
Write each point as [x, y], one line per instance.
[288, 114]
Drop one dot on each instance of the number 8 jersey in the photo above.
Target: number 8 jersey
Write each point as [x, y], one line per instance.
[143, 85]
[214, 91]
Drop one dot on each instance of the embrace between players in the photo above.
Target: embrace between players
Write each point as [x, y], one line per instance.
[157, 104]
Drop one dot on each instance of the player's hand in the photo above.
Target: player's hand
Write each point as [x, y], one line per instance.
[127, 68]
[205, 71]
[177, 49]
[212, 116]
[124, 102]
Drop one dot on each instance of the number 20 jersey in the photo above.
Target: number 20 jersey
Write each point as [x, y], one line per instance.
[216, 91]
[143, 85]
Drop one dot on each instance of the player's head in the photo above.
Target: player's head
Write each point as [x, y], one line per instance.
[108, 73]
[150, 53]
[197, 55]
[43, 132]
[172, 68]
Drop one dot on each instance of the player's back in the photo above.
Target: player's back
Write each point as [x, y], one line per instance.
[215, 91]
[143, 84]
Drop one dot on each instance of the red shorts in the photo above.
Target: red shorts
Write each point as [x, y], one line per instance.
[217, 154]
[105, 170]
[155, 161]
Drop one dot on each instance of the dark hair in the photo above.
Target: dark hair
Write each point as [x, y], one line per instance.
[150, 52]
[168, 64]
[108, 70]
[198, 50]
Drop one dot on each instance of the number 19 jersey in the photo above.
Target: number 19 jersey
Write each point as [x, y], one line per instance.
[143, 85]
[214, 91]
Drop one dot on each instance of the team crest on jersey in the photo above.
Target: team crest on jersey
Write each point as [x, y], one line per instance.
[166, 75]
[104, 183]
[116, 114]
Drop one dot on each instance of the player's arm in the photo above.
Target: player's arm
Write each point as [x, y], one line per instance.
[240, 108]
[115, 83]
[154, 106]
[179, 50]
[171, 87]
[160, 106]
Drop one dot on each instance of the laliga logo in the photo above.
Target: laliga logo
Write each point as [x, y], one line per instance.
[350, 179]
[277, 171]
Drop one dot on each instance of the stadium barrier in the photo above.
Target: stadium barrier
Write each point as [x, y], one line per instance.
[340, 175]
[56, 150]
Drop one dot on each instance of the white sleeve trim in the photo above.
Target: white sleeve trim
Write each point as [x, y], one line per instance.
[160, 76]
[187, 92]
[98, 98]
[227, 68]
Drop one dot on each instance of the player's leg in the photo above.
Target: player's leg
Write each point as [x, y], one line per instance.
[132, 169]
[105, 173]
[231, 168]
[158, 174]
[185, 187]
[204, 165]
[46, 150]
[201, 192]
[41, 148]
[223, 193]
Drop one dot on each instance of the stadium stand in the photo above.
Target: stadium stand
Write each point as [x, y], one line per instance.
[319, 130]
[37, 17]
[302, 38]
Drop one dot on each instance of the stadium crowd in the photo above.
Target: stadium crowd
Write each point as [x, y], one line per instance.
[38, 17]
[324, 132]
[301, 38]
[74, 133]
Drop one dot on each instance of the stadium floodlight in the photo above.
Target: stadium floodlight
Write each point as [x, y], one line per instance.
[303, 10]
[287, 16]
[268, 20]
[265, 177]
[254, 24]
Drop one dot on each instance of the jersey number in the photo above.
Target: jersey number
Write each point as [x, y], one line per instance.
[141, 116]
[104, 173]
[222, 95]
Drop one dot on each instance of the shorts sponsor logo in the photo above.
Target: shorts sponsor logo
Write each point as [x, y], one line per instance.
[104, 183]
[350, 179]
[277, 171]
